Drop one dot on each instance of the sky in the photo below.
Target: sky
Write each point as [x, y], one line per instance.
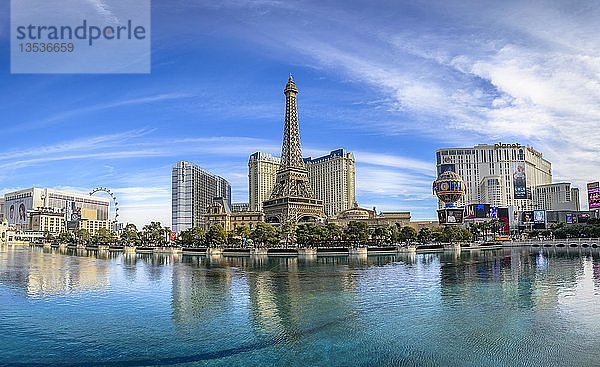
[390, 81]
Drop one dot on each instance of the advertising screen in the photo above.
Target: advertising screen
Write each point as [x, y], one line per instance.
[16, 210]
[593, 195]
[494, 212]
[520, 181]
[503, 217]
[482, 210]
[569, 218]
[539, 216]
[539, 219]
[450, 216]
[527, 217]
[583, 218]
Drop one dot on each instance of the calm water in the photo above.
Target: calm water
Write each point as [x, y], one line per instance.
[504, 307]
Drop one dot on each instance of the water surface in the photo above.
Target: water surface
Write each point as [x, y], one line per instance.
[519, 306]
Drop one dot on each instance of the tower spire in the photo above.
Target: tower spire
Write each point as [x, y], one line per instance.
[292, 197]
[291, 151]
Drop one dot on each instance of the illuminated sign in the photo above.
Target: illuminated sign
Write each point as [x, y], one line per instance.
[593, 195]
[450, 216]
[539, 216]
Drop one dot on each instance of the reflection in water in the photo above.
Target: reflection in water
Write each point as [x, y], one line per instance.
[470, 307]
[49, 272]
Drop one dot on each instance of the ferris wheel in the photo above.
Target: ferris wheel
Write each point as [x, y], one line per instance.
[112, 196]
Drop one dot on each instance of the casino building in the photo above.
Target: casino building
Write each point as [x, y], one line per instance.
[49, 210]
[502, 175]
[332, 178]
[192, 192]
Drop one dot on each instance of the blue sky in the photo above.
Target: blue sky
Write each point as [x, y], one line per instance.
[390, 81]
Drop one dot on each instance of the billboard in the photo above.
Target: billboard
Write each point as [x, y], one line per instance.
[583, 218]
[504, 218]
[445, 168]
[72, 216]
[520, 181]
[539, 219]
[482, 210]
[478, 211]
[569, 218]
[593, 195]
[450, 216]
[527, 217]
[16, 210]
[539, 216]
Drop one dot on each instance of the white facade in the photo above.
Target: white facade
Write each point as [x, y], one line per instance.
[557, 196]
[192, 191]
[20, 205]
[491, 173]
[332, 178]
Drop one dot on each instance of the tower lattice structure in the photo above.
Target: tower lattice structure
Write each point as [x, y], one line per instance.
[292, 198]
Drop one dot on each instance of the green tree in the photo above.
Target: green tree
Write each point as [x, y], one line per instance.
[495, 225]
[264, 234]
[407, 234]
[382, 234]
[82, 236]
[66, 237]
[453, 234]
[243, 231]
[216, 236]
[103, 237]
[154, 234]
[357, 232]
[333, 232]
[311, 234]
[192, 237]
[425, 235]
[288, 233]
[130, 235]
[49, 237]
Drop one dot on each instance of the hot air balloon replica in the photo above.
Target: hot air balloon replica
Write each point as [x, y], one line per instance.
[449, 188]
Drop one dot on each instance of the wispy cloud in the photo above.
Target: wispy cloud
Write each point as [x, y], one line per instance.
[93, 108]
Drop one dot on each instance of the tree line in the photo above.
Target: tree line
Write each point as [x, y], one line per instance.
[289, 234]
[153, 234]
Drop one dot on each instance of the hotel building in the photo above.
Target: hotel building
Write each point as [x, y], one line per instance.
[332, 178]
[502, 175]
[219, 212]
[193, 190]
[262, 171]
[54, 211]
[557, 196]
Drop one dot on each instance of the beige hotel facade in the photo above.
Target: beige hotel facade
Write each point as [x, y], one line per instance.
[332, 178]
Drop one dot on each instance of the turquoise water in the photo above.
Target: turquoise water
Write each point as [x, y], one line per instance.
[511, 307]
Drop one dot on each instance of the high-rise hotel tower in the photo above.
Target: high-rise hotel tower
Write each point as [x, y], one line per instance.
[503, 175]
[332, 178]
[193, 190]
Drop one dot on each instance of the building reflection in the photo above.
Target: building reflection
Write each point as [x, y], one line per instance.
[529, 277]
[52, 273]
[276, 296]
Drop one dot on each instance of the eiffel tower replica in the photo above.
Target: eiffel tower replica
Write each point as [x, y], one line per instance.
[292, 198]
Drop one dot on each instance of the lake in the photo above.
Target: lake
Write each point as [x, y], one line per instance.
[507, 307]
